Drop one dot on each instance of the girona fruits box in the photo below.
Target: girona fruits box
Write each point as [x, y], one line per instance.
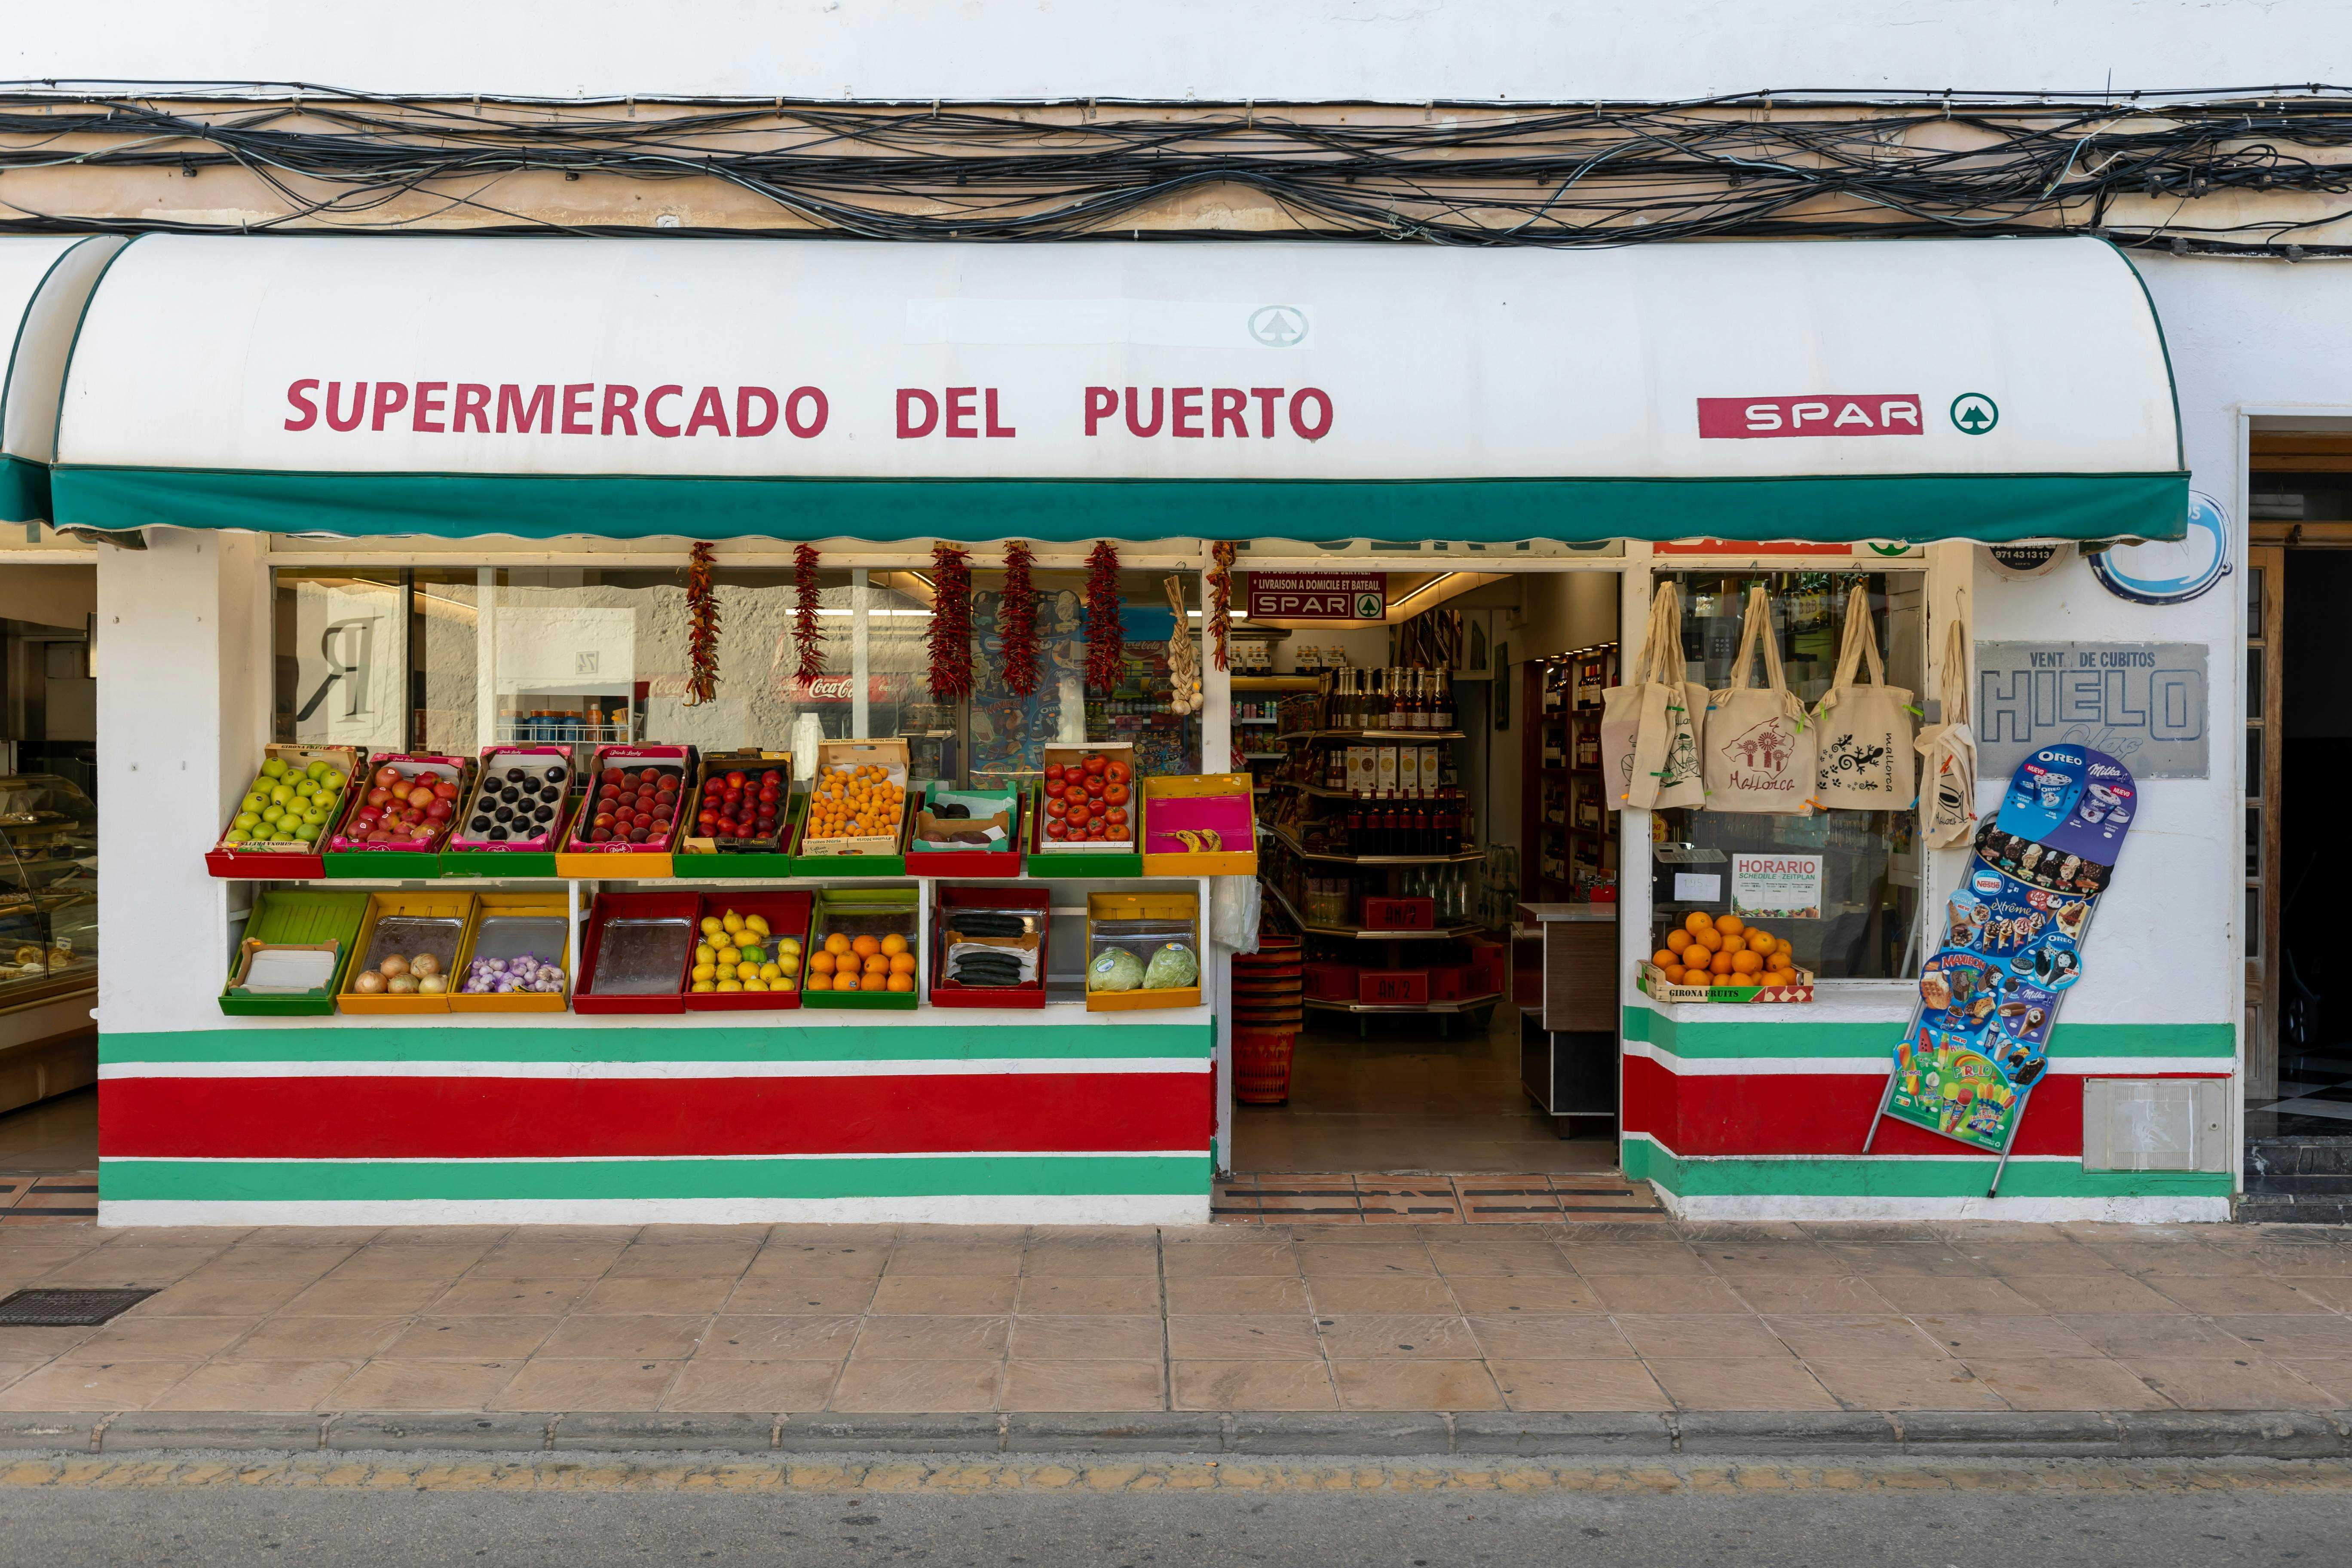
[250, 847]
[394, 827]
[631, 802]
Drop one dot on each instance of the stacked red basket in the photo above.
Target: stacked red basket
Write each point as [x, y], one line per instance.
[1266, 1011]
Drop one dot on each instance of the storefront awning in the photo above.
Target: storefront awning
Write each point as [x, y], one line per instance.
[447, 385]
[44, 282]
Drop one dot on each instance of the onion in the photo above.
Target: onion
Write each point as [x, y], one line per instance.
[394, 966]
[367, 982]
[424, 964]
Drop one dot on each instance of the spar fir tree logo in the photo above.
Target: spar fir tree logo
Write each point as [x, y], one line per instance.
[1974, 414]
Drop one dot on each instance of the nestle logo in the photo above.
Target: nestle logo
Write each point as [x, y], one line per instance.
[1814, 414]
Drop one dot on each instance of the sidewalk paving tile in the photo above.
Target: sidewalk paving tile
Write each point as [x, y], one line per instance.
[1057, 1337]
[2241, 1383]
[2009, 1335]
[933, 1338]
[2066, 1383]
[1904, 1385]
[1745, 1383]
[161, 1339]
[2227, 1296]
[288, 1338]
[779, 1337]
[822, 1295]
[752, 1385]
[98, 1385]
[1083, 1385]
[646, 1337]
[943, 1386]
[2110, 1292]
[1398, 1336]
[1116, 1293]
[548, 1383]
[1611, 1385]
[422, 1385]
[1243, 1337]
[1522, 1293]
[1671, 1293]
[1228, 1293]
[1714, 1335]
[1782, 1294]
[470, 1339]
[1415, 1385]
[226, 1385]
[1379, 1293]
[617, 1294]
[1252, 1385]
[1860, 1338]
[1550, 1336]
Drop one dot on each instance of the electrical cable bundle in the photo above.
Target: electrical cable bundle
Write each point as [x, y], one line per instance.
[1811, 165]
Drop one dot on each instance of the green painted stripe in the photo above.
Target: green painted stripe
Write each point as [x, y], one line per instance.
[950, 1175]
[24, 490]
[1777, 1037]
[666, 1043]
[1917, 507]
[1963, 1177]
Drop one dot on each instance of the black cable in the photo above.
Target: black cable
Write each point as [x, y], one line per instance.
[1567, 176]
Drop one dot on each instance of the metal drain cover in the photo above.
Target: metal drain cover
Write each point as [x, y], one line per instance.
[66, 1309]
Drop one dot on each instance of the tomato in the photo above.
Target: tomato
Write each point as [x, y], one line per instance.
[1117, 771]
[1095, 786]
[1055, 788]
[1053, 770]
[1116, 794]
[1095, 831]
[1078, 814]
[1096, 764]
[1055, 830]
[1056, 807]
[1118, 816]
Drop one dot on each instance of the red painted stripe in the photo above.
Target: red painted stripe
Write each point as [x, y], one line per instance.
[491, 1118]
[1815, 1113]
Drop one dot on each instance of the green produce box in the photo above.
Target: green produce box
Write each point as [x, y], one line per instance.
[751, 864]
[296, 917]
[861, 911]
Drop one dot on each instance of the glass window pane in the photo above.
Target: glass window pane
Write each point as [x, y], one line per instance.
[341, 641]
[2253, 841]
[2255, 683]
[2255, 603]
[2253, 922]
[1009, 734]
[2254, 762]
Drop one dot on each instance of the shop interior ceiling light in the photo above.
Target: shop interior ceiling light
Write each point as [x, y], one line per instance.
[1585, 174]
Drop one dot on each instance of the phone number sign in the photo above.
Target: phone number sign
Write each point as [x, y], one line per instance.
[1318, 595]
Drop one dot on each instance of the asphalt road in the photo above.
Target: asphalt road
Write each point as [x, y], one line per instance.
[228, 1527]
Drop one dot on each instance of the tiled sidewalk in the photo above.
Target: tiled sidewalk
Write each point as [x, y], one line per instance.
[1587, 1316]
[1433, 1200]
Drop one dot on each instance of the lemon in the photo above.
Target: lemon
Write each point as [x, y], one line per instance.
[748, 971]
[771, 970]
[711, 926]
[786, 984]
[729, 955]
[755, 985]
[706, 971]
[732, 921]
[705, 985]
[730, 985]
[788, 944]
[705, 953]
[758, 924]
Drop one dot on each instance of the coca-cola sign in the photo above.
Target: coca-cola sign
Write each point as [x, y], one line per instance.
[834, 688]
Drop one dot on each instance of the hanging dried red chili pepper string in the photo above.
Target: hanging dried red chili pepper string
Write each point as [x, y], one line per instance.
[1106, 646]
[702, 629]
[808, 641]
[1220, 600]
[1016, 621]
[950, 636]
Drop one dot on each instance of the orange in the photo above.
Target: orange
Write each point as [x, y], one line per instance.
[836, 944]
[1747, 964]
[1678, 939]
[1779, 977]
[820, 963]
[1730, 925]
[873, 982]
[877, 964]
[1719, 965]
[844, 982]
[1665, 958]
[1760, 941]
[865, 947]
[1673, 975]
[902, 963]
[1697, 922]
[1709, 939]
[894, 944]
[902, 983]
[1735, 944]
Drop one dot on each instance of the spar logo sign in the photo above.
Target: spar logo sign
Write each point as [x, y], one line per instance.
[1808, 414]
[1974, 414]
[1318, 595]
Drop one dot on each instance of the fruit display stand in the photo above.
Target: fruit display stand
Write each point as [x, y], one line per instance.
[853, 912]
[833, 839]
[981, 929]
[484, 845]
[715, 844]
[507, 928]
[1144, 928]
[404, 925]
[302, 919]
[1201, 826]
[786, 916]
[295, 862]
[357, 849]
[987, 812]
[1086, 805]
[637, 954]
[602, 833]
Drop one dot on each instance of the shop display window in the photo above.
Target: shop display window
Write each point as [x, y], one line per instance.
[451, 659]
[48, 889]
[1867, 927]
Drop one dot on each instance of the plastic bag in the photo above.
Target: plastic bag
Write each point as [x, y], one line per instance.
[1114, 969]
[1172, 968]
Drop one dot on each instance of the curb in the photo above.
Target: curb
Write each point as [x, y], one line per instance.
[2112, 1435]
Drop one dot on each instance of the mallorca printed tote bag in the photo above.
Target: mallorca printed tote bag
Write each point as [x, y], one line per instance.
[1758, 749]
[1649, 747]
[1948, 783]
[1865, 731]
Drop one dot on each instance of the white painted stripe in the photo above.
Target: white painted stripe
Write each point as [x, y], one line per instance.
[1118, 1208]
[992, 1066]
[1878, 1067]
[2022, 1210]
[105, 1161]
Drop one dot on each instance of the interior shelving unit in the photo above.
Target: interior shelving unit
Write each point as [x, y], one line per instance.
[1565, 815]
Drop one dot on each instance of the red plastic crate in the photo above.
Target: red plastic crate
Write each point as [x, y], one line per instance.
[787, 914]
[1486, 967]
[1332, 981]
[1400, 914]
[632, 906]
[1393, 987]
[946, 993]
[1450, 982]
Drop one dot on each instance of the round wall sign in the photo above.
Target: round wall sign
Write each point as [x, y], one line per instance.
[2171, 571]
[2023, 560]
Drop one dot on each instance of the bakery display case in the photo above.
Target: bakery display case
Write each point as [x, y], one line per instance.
[48, 889]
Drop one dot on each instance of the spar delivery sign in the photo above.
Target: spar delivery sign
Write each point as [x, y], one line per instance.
[1318, 595]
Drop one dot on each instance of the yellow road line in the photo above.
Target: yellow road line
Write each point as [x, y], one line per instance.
[965, 1477]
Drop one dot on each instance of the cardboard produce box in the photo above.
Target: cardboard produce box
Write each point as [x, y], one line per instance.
[521, 843]
[298, 861]
[983, 842]
[618, 801]
[362, 846]
[1654, 985]
[722, 843]
[857, 820]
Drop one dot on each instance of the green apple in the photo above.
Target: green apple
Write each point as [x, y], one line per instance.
[316, 813]
[281, 794]
[246, 819]
[318, 769]
[333, 778]
[274, 769]
[307, 832]
[254, 801]
[273, 814]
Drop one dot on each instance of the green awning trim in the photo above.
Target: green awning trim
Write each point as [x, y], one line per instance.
[24, 490]
[1911, 508]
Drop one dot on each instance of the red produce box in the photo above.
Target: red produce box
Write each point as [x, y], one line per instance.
[1450, 982]
[1332, 981]
[1400, 914]
[1393, 987]
[1486, 966]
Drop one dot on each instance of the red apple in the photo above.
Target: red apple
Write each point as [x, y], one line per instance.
[379, 798]
[445, 790]
[386, 777]
[440, 811]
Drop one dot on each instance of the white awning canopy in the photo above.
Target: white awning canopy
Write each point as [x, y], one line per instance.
[44, 282]
[453, 386]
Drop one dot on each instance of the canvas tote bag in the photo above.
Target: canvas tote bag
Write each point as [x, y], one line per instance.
[1759, 749]
[1649, 726]
[1948, 783]
[1866, 732]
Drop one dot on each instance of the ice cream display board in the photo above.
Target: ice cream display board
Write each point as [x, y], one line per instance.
[2013, 939]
